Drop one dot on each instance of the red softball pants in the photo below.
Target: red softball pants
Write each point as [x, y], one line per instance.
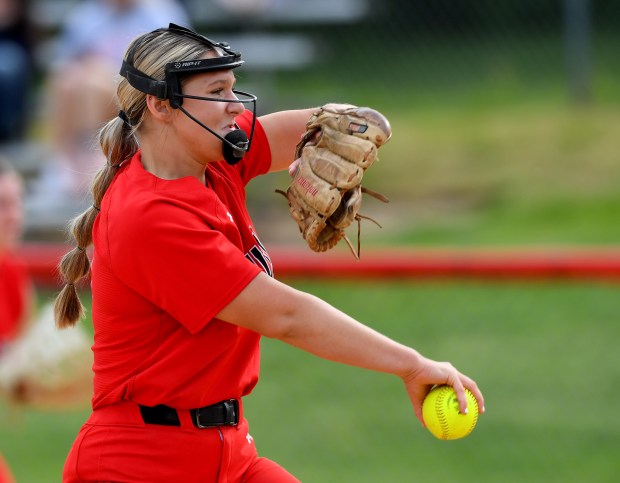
[115, 445]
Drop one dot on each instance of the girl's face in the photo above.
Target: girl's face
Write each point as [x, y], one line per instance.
[219, 116]
[11, 210]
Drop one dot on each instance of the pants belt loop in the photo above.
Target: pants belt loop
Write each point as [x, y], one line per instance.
[186, 420]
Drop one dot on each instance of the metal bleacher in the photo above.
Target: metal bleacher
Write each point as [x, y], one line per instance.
[247, 24]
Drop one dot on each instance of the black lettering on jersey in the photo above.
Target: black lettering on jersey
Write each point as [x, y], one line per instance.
[258, 255]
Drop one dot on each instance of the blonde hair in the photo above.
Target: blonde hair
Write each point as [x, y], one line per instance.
[148, 53]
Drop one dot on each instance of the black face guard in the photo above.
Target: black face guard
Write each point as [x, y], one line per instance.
[236, 143]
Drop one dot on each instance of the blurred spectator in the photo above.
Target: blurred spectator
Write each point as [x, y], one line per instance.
[16, 293]
[20, 322]
[81, 87]
[16, 68]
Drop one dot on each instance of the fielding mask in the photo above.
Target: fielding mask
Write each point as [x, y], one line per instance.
[235, 143]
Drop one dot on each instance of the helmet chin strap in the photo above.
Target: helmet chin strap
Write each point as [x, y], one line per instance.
[235, 143]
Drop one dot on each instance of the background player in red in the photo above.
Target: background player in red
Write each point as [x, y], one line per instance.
[182, 287]
[16, 296]
[15, 285]
[29, 344]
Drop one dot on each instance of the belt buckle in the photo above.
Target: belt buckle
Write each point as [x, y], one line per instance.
[231, 411]
[197, 421]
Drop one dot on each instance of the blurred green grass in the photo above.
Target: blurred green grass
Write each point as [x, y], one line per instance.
[544, 354]
[535, 349]
[525, 175]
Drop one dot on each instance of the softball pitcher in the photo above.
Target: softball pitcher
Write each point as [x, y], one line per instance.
[182, 287]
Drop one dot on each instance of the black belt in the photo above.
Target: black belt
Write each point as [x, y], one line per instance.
[224, 413]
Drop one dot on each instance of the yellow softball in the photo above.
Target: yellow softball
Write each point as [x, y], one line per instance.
[442, 416]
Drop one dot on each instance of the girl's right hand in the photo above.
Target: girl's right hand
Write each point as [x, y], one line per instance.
[431, 373]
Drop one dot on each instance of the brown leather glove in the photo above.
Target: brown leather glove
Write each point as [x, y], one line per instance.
[325, 194]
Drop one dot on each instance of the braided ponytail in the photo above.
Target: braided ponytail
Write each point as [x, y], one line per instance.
[118, 144]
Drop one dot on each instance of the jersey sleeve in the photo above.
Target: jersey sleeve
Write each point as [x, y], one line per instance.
[257, 160]
[184, 266]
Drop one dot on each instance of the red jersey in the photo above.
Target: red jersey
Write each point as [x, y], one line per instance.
[15, 289]
[169, 255]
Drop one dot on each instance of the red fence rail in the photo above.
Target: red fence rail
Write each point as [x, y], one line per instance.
[485, 263]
